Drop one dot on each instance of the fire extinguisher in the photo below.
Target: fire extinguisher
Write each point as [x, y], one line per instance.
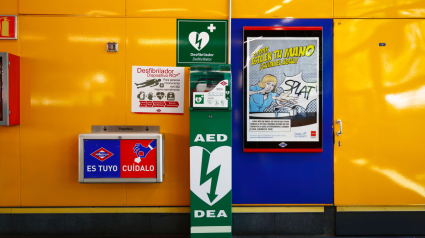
[5, 27]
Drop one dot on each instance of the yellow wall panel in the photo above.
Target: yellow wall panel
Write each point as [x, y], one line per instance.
[68, 83]
[10, 165]
[379, 96]
[379, 8]
[8, 7]
[183, 9]
[9, 148]
[282, 9]
[74, 7]
[146, 46]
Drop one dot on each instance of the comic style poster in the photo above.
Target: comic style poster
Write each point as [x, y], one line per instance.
[282, 89]
[157, 90]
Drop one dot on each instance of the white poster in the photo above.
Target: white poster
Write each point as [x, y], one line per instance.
[157, 89]
[282, 89]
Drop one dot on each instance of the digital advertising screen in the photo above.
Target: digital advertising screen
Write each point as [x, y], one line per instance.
[282, 89]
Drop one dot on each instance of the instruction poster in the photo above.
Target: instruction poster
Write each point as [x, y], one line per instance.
[282, 78]
[157, 90]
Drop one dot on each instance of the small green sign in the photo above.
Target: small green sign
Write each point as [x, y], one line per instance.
[199, 99]
[201, 42]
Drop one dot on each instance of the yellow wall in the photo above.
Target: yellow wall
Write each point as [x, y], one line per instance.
[379, 96]
[69, 82]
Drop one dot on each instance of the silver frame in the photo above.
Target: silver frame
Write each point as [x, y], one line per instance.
[16, 28]
[5, 88]
[115, 136]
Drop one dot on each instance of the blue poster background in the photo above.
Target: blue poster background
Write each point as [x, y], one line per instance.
[282, 178]
[91, 146]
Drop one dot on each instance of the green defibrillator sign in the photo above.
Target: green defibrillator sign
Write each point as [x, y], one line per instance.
[201, 42]
[210, 151]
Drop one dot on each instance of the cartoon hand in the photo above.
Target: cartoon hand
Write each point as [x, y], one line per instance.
[286, 98]
[262, 91]
[140, 150]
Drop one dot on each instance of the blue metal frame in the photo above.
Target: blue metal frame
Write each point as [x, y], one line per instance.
[282, 178]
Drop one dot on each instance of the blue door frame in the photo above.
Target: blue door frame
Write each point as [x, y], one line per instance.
[282, 178]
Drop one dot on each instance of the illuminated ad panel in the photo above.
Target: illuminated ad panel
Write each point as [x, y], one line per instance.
[283, 89]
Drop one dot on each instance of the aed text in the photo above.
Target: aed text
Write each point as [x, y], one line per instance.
[211, 138]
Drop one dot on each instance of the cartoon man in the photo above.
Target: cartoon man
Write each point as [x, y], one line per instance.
[262, 95]
[150, 82]
[142, 151]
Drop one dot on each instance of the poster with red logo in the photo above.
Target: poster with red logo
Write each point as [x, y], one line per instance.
[8, 27]
[138, 158]
[157, 90]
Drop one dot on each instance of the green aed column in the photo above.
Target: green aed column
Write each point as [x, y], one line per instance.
[210, 151]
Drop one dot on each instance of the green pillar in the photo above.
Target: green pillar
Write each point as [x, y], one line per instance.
[210, 151]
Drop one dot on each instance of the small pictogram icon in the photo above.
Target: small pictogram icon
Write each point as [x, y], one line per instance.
[102, 154]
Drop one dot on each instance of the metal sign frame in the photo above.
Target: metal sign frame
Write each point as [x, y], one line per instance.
[111, 133]
[16, 28]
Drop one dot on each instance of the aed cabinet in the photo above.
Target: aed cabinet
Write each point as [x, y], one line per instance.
[9, 89]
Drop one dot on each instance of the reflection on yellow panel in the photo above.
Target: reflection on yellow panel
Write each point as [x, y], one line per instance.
[10, 165]
[188, 9]
[380, 98]
[282, 9]
[379, 8]
[74, 7]
[9, 149]
[68, 83]
[8, 7]
[146, 46]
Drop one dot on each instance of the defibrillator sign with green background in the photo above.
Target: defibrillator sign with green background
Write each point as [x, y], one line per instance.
[210, 152]
[201, 42]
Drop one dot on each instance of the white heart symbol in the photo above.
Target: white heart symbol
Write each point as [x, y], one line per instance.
[220, 158]
[199, 41]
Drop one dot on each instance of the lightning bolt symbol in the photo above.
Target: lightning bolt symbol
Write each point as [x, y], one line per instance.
[198, 40]
[213, 175]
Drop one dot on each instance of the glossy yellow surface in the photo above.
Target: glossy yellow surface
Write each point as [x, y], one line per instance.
[146, 46]
[68, 83]
[379, 8]
[282, 9]
[183, 9]
[9, 148]
[73, 7]
[8, 7]
[380, 98]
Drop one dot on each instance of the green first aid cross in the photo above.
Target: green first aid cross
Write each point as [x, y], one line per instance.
[201, 42]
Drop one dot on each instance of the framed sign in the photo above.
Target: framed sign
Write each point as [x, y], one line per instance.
[282, 89]
[8, 27]
[201, 42]
[121, 154]
[157, 90]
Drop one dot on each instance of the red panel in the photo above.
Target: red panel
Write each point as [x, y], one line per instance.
[283, 150]
[138, 159]
[280, 28]
[8, 21]
[14, 101]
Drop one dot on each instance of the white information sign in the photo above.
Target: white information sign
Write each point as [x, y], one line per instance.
[157, 89]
